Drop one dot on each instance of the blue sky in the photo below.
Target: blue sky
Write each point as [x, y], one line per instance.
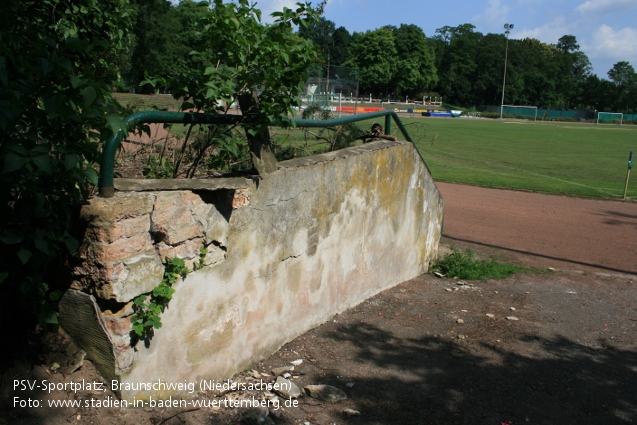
[606, 30]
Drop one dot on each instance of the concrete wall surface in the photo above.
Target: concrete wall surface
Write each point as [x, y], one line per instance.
[285, 253]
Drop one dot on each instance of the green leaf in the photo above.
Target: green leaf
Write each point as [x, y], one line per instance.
[71, 161]
[76, 81]
[24, 255]
[66, 64]
[53, 103]
[13, 162]
[3, 276]
[11, 237]
[45, 66]
[18, 149]
[151, 81]
[91, 176]
[138, 329]
[41, 149]
[56, 295]
[115, 123]
[77, 44]
[71, 243]
[43, 162]
[41, 244]
[140, 300]
[3, 71]
[52, 319]
[89, 96]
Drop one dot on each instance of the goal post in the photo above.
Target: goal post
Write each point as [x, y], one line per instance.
[614, 118]
[524, 111]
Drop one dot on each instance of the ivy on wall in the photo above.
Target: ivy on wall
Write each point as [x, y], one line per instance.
[149, 307]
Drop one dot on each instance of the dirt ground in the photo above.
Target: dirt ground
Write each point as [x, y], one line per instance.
[441, 351]
[569, 233]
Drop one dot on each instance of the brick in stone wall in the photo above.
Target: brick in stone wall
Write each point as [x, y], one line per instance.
[130, 236]
[174, 226]
[241, 198]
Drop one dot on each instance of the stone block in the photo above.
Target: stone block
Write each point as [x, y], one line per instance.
[190, 199]
[145, 272]
[124, 358]
[104, 211]
[188, 251]
[80, 317]
[174, 226]
[126, 228]
[120, 326]
[87, 274]
[119, 249]
[215, 226]
[214, 255]
[168, 200]
[120, 281]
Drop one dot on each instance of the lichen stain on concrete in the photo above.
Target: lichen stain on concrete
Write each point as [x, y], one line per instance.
[241, 245]
[211, 332]
[254, 318]
[390, 199]
[312, 238]
[294, 271]
[200, 307]
[249, 284]
[315, 277]
[203, 345]
[323, 211]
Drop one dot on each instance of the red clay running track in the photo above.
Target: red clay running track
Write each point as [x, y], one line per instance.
[544, 230]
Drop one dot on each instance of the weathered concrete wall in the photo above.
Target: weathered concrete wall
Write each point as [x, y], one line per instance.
[286, 253]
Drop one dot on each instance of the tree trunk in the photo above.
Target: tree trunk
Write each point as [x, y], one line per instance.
[260, 145]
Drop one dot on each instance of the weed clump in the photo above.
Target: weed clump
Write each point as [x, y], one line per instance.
[463, 265]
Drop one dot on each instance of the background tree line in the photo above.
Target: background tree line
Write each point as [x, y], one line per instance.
[462, 65]
[466, 67]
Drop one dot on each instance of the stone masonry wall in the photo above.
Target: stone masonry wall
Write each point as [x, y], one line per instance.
[125, 244]
[284, 253]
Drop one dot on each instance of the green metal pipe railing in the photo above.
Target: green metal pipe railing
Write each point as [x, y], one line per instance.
[107, 164]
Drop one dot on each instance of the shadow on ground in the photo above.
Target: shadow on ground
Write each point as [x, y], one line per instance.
[442, 381]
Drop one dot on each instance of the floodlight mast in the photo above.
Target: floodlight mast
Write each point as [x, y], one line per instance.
[507, 31]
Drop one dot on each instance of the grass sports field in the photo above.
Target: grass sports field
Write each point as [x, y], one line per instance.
[565, 158]
[551, 157]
